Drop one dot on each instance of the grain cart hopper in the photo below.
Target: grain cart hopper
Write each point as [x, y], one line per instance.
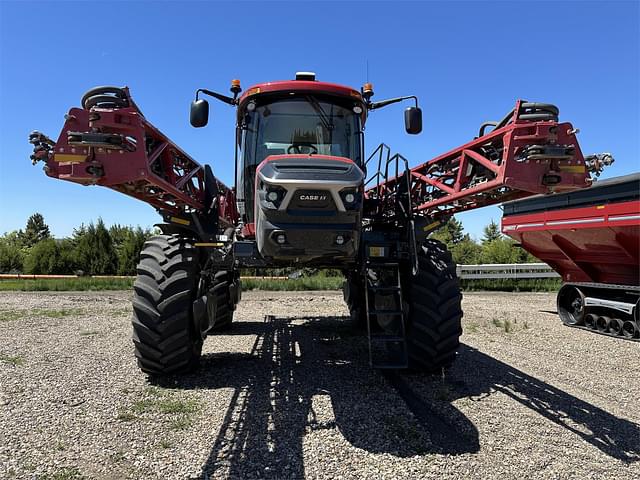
[305, 194]
[592, 238]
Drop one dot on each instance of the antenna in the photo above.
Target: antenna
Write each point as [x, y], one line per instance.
[367, 70]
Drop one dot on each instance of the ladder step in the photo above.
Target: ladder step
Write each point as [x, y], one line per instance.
[385, 289]
[378, 264]
[387, 338]
[390, 366]
[386, 312]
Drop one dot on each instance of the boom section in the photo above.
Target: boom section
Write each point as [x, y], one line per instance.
[529, 152]
[110, 143]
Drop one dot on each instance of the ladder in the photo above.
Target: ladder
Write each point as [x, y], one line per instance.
[386, 350]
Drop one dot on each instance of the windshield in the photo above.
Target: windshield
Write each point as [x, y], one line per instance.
[302, 125]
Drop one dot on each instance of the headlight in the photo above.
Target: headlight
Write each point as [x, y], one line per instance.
[351, 198]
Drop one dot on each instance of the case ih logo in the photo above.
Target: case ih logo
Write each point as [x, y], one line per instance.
[313, 198]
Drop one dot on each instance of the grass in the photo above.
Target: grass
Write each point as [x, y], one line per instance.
[297, 284]
[125, 416]
[181, 423]
[507, 325]
[10, 315]
[65, 473]
[15, 360]
[64, 312]
[67, 284]
[512, 285]
[89, 333]
[471, 328]
[159, 401]
[165, 406]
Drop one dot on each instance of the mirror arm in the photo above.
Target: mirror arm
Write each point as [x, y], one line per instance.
[384, 103]
[219, 96]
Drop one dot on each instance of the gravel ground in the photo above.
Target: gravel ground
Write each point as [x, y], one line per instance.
[292, 396]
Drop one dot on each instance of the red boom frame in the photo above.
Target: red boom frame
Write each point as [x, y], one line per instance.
[522, 158]
[119, 149]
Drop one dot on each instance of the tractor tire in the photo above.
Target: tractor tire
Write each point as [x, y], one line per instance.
[164, 334]
[221, 304]
[353, 293]
[434, 309]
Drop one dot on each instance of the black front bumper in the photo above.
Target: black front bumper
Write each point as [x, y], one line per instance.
[311, 222]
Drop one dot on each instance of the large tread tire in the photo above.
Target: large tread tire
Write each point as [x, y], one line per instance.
[435, 311]
[353, 293]
[164, 334]
[223, 303]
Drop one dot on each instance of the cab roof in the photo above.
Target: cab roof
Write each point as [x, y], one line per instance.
[311, 86]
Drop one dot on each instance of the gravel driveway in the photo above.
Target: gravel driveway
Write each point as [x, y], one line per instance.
[291, 396]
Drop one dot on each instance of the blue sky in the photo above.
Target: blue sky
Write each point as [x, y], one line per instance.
[467, 62]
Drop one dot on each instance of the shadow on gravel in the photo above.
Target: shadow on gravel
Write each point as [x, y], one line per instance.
[309, 375]
[483, 375]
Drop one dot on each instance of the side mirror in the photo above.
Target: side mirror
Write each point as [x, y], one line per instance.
[413, 120]
[199, 115]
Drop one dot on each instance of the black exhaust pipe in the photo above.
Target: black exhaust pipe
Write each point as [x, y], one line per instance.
[590, 320]
[615, 326]
[630, 329]
[602, 323]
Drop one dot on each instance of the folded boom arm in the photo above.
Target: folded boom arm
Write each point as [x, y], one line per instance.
[527, 153]
[109, 142]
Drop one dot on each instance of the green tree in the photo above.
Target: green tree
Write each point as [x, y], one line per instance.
[35, 231]
[43, 258]
[466, 252]
[119, 234]
[129, 249]
[67, 264]
[450, 233]
[502, 250]
[491, 232]
[11, 254]
[94, 250]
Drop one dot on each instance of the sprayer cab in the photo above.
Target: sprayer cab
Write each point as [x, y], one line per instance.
[299, 166]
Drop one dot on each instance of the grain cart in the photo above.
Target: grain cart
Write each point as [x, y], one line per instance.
[305, 195]
[592, 238]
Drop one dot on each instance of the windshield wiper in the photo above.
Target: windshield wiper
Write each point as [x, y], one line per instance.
[326, 122]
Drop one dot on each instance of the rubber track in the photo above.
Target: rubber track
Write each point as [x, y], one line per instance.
[163, 335]
[435, 313]
[620, 337]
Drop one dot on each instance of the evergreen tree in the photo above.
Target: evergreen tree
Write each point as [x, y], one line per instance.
[491, 233]
[129, 249]
[35, 231]
[450, 233]
[95, 253]
[466, 252]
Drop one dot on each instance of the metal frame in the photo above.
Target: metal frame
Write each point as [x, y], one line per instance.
[521, 158]
[119, 149]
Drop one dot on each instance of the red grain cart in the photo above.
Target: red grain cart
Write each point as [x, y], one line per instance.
[592, 238]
